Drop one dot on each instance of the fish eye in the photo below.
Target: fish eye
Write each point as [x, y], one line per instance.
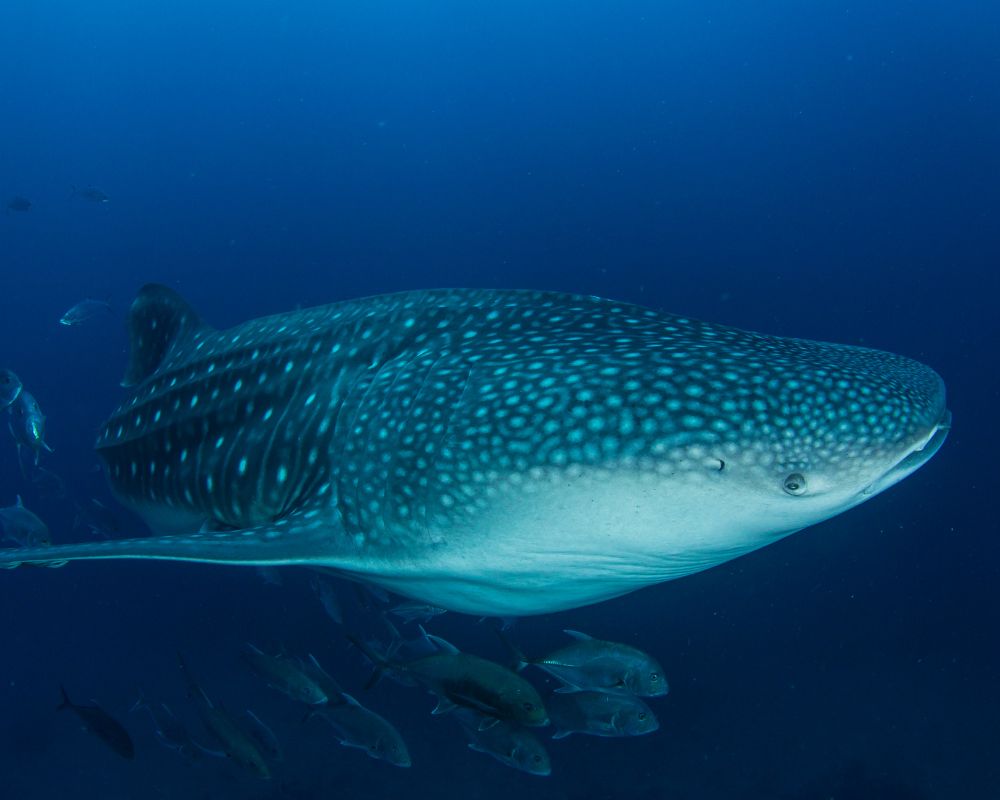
[642, 716]
[654, 676]
[795, 484]
[528, 705]
[536, 758]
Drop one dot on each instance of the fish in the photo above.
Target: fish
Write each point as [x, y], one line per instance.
[271, 576]
[284, 675]
[417, 612]
[464, 680]
[327, 595]
[18, 203]
[102, 725]
[360, 727]
[10, 388]
[597, 665]
[24, 527]
[168, 728]
[600, 714]
[496, 453]
[266, 739]
[83, 311]
[27, 425]
[355, 725]
[509, 744]
[91, 193]
[237, 744]
[97, 518]
[48, 484]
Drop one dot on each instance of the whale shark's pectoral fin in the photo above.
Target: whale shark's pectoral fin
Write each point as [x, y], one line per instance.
[301, 538]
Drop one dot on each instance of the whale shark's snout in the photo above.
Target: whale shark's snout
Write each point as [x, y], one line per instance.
[932, 429]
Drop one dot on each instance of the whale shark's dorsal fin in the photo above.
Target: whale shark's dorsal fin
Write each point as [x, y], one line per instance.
[158, 322]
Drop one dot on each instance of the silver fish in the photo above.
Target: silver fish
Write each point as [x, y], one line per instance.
[284, 675]
[509, 744]
[271, 576]
[100, 723]
[168, 728]
[10, 388]
[496, 452]
[327, 595]
[360, 727]
[417, 612]
[91, 193]
[237, 744]
[97, 519]
[23, 527]
[83, 311]
[589, 663]
[600, 714]
[27, 425]
[266, 739]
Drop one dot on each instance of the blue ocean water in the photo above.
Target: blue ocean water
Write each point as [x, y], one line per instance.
[817, 170]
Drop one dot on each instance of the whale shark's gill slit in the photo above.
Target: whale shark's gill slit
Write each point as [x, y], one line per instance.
[298, 539]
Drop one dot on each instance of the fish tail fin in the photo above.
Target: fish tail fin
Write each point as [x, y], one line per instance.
[518, 659]
[381, 663]
[140, 703]
[194, 691]
[66, 702]
[395, 638]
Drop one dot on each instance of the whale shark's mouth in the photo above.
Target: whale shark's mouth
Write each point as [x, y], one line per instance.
[916, 457]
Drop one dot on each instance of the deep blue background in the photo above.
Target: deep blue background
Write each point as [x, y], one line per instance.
[807, 169]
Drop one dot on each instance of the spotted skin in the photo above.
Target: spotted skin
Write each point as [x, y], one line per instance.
[497, 452]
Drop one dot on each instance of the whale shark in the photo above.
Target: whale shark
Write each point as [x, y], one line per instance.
[494, 452]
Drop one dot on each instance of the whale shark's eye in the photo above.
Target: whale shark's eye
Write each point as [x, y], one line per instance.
[795, 484]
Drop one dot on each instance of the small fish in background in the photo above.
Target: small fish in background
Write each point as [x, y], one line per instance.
[597, 665]
[327, 595]
[48, 484]
[357, 726]
[27, 425]
[99, 520]
[502, 624]
[85, 310]
[370, 596]
[600, 714]
[91, 193]
[399, 649]
[284, 675]
[237, 744]
[417, 612]
[266, 739]
[271, 576]
[102, 725]
[169, 730]
[19, 204]
[10, 388]
[24, 527]
[509, 744]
